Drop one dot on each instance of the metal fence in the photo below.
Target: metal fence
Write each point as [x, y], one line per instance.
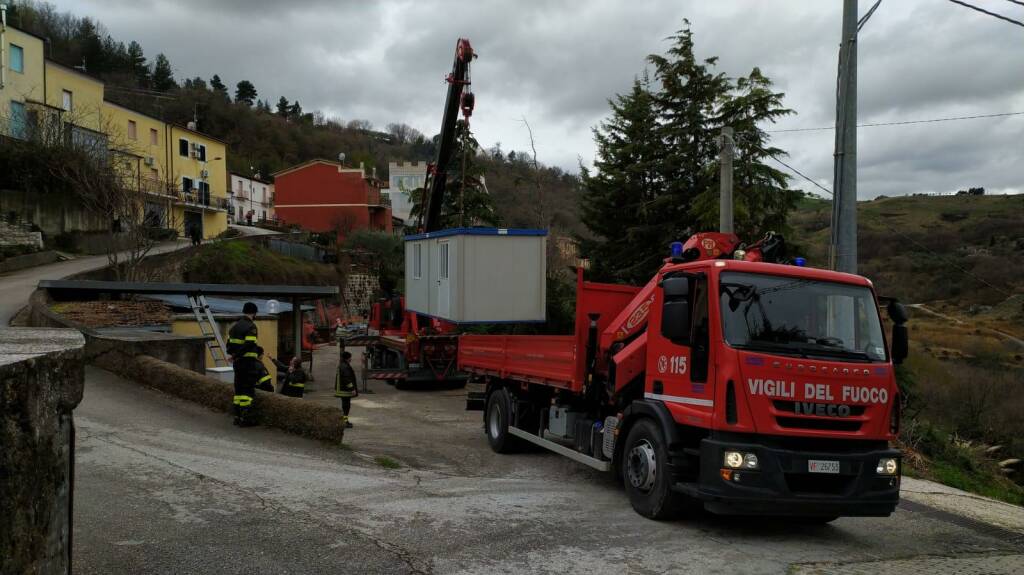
[296, 250]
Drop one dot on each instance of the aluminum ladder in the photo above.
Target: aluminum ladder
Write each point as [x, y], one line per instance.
[208, 327]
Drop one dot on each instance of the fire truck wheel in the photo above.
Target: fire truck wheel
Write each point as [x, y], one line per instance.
[496, 422]
[644, 461]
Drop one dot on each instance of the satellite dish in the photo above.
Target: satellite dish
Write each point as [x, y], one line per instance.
[191, 126]
[341, 157]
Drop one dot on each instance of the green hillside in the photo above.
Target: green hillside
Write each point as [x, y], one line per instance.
[968, 249]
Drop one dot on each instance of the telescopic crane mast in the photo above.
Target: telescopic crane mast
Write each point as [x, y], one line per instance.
[459, 97]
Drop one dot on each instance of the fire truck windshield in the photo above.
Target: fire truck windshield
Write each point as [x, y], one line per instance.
[802, 317]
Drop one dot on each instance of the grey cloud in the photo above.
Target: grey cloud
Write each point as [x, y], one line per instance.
[557, 63]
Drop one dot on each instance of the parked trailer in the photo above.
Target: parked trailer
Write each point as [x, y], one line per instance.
[747, 387]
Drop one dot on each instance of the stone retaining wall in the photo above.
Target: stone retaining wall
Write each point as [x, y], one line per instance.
[42, 374]
[28, 261]
[274, 410]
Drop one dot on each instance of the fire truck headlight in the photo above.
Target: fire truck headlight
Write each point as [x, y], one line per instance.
[887, 466]
[733, 459]
[749, 461]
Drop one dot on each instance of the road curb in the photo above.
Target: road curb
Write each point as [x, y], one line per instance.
[293, 415]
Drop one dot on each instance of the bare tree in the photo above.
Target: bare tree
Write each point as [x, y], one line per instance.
[109, 185]
[541, 212]
[403, 133]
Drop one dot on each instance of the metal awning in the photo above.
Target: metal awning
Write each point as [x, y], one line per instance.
[159, 288]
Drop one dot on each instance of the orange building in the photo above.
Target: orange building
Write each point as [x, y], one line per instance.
[325, 196]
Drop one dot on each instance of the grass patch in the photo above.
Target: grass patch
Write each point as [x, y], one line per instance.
[982, 483]
[386, 462]
[249, 263]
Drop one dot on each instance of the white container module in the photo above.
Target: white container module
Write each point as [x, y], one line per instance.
[477, 275]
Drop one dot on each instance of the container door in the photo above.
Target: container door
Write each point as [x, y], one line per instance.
[443, 282]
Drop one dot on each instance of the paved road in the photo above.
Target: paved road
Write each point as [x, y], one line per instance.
[18, 286]
[168, 487]
[253, 230]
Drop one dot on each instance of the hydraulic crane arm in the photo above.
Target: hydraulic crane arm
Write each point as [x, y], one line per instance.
[459, 96]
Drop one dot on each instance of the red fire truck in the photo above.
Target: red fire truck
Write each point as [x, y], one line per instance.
[730, 380]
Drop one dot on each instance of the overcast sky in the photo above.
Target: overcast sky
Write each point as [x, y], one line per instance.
[557, 63]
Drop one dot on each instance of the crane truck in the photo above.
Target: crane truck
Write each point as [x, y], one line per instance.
[401, 346]
[734, 379]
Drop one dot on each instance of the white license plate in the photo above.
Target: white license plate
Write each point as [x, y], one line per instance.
[822, 466]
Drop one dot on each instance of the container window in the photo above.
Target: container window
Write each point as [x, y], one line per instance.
[417, 261]
[443, 261]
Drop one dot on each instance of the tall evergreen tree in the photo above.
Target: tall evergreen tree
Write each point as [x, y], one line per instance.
[217, 86]
[245, 93]
[137, 64]
[163, 76]
[656, 174]
[282, 107]
[620, 195]
[295, 111]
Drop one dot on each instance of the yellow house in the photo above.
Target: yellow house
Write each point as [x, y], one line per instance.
[22, 79]
[181, 173]
[78, 96]
[197, 163]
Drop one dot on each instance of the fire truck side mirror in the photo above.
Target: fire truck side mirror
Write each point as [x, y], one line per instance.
[900, 343]
[675, 312]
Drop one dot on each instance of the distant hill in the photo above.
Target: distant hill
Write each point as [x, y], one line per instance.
[964, 249]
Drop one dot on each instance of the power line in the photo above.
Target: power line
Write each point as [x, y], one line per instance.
[799, 173]
[903, 123]
[993, 14]
[1018, 2]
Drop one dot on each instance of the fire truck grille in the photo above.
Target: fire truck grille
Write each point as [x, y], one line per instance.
[818, 424]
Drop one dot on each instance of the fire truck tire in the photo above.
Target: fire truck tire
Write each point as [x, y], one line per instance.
[496, 422]
[644, 459]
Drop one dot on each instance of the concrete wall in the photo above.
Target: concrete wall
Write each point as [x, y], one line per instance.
[42, 374]
[54, 213]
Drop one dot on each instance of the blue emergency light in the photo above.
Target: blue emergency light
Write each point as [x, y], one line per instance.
[677, 249]
[799, 262]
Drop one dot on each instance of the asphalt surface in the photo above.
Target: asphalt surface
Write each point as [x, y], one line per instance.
[18, 286]
[164, 486]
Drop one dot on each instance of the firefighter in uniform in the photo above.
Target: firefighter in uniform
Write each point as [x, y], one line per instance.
[292, 377]
[244, 351]
[345, 385]
[263, 379]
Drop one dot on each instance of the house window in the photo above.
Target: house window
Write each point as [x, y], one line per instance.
[417, 261]
[17, 59]
[19, 120]
[66, 100]
[204, 193]
[133, 133]
[201, 152]
[186, 185]
[153, 137]
[239, 185]
[183, 147]
[154, 174]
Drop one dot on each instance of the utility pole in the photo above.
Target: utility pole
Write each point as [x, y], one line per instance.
[725, 173]
[843, 248]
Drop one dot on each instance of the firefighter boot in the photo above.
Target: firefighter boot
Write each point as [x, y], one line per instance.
[348, 424]
[238, 416]
[246, 418]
